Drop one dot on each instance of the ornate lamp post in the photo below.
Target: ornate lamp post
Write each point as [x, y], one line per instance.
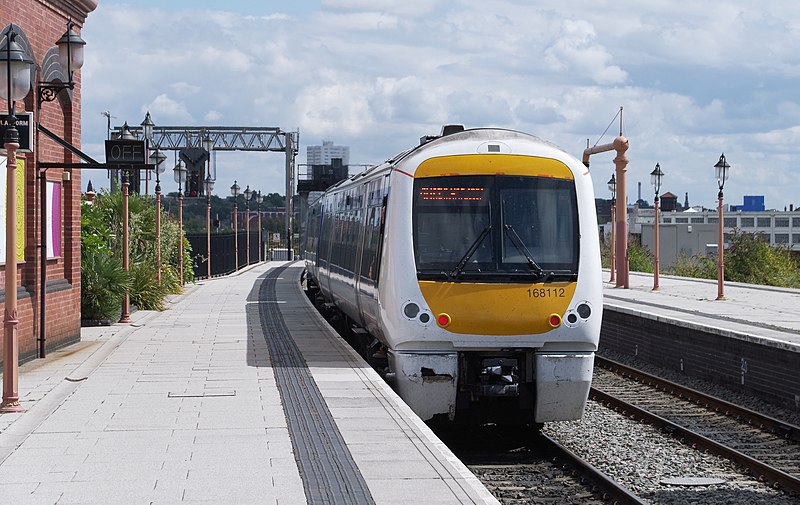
[126, 299]
[655, 180]
[248, 194]
[179, 173]
[147, 133]
[235, 193]
[612, 186]
[159, 160]
[208, 186]
[259, 200]
[15, 83]
[70, 56]
[721, 170]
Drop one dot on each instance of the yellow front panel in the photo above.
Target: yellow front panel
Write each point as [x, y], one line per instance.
[493, 164]
[497, 309]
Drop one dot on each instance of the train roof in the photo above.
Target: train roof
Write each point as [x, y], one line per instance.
[450, 133]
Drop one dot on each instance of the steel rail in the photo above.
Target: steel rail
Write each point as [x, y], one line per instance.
[615, 490]
[759, 469]
[783, 428]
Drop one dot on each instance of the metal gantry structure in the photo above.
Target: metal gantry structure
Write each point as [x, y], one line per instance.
[234, 138]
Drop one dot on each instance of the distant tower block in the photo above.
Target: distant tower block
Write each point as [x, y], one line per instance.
[324, 154]
[326, 165]
[640, 192]
[686, 201]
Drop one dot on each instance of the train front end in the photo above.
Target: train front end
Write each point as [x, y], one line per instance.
[507, 284]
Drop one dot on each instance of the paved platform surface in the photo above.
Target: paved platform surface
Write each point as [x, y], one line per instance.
[183, 406]
[760, 314]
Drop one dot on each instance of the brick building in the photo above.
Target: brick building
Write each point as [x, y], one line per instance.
[40, 23]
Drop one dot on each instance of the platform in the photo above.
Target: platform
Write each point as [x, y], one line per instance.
[748, 342]
[221, 399]
[763, 314]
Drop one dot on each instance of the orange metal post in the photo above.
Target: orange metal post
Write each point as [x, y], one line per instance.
[126, 299]
[10, 318]
[720, 254]
[655, 247]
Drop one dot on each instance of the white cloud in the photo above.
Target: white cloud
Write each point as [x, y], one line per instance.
[169, 109]
[378, 74]
[184, 88]
[212, 116]
[361, 21]
[576, 51]
[406, 7]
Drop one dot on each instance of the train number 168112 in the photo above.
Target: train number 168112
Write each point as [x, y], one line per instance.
[546, 293]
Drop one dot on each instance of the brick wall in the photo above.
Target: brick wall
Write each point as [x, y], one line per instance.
[768, 372]
[43, 22]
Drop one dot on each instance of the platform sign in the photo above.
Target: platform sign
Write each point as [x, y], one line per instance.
[24, 127]
[276, 237]
[125, 152]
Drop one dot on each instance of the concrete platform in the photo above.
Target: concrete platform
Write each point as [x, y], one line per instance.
[748, 342]
[761, 314]
[184, 406]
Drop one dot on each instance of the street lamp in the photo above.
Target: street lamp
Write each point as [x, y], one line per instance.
[208, 183]
[612, 186]
[70, 54]
[235, 193]
[125, 317]
[259, 199]
[655, 180]
[248, 194]
[209, 186]
[721, 170]
[147, 133]
[158, 158]
[179, 174]
[15, 83]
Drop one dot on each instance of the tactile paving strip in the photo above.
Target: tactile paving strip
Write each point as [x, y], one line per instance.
[329, 473]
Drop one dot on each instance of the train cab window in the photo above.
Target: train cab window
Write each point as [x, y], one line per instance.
[495, 228]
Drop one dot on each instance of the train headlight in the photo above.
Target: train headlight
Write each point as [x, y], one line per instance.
[554, 320]
[411, 310]
[443, 319]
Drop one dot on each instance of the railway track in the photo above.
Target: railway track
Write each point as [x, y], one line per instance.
[519, 468]
[766, 447]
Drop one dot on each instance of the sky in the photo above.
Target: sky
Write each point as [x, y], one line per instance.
[376, 75]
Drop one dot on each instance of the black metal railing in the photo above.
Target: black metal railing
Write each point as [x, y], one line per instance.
[223, 247]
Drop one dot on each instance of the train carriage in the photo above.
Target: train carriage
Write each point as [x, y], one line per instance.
[472, 262]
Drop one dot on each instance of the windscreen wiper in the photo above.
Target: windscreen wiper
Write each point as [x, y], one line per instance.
[524, 250]
[459, 269]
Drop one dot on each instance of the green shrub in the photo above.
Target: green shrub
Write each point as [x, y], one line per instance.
[146, 292]
[101, 235]
[751, 259]
[696, 266]
[640, 259]
[103, 284]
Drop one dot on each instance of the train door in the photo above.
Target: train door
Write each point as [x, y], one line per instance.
[363, 219]
[371, 253]
[325, 249]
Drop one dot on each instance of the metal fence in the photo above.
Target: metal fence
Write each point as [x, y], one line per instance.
[223, 256]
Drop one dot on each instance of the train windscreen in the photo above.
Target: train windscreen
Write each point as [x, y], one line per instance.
[495, 227]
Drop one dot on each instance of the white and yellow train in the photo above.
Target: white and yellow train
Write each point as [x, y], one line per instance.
[472, 263]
